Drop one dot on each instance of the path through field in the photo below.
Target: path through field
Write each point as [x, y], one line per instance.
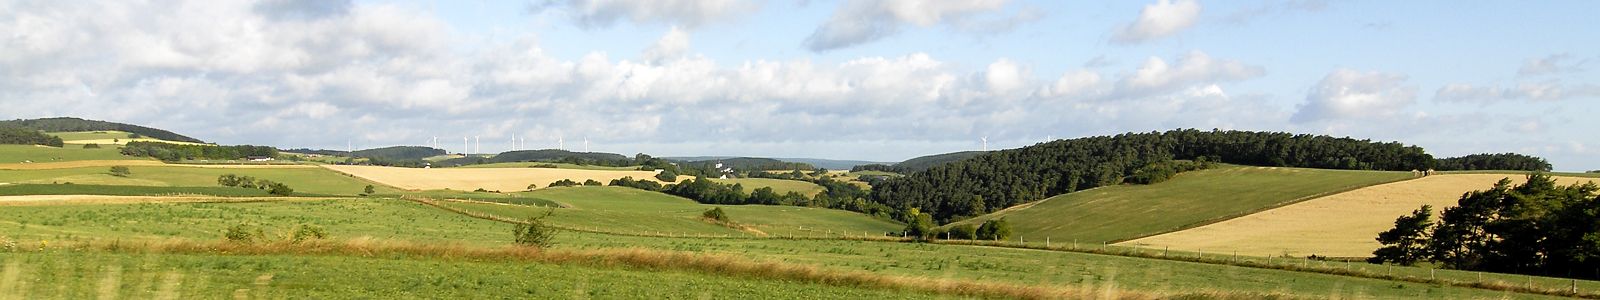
[1341, 225]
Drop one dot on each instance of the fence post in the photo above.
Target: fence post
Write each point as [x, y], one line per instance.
[1164, 251]
[1430, 274]
[1047, 242]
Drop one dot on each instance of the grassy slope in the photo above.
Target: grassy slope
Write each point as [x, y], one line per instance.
[628, 210]
[1190, 199]
[80, 275]
[780, 186]
[407, 221]
[18, 153]
[303, 180]
[105, 138]
[124, 190]
[558, 165]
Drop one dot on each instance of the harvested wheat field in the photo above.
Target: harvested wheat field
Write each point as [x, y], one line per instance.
[494, 179]
[1340, 225]
[131, 163]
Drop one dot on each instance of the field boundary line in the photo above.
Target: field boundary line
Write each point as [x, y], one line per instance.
[1263, 209]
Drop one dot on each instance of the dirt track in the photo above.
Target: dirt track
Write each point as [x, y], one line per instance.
[1340, 225]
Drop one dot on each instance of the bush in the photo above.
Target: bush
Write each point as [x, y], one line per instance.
[963, 232]
[279, 189]
[368, 191]
[592, 182]
[534, 232]
[994, 229]
[242, 233]
[563, 182]
[120, 171]
[715, 214]
[307, 232]
[667, 176]
[91, 146]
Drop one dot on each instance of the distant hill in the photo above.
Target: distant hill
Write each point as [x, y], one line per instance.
[11, 134]
[545, 155]
[318, 152]
[64, 124]
[831, 164]
[398, 153]
[920, 164]
[747, 164]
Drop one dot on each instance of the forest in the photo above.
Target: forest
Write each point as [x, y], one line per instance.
[836, 194]
[176, 152]
[1001, 179]
[15, 135]
[1500, 161]
[76, 124]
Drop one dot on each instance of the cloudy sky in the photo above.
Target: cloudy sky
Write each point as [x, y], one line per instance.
[878, 80]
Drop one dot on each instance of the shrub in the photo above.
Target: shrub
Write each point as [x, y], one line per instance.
[242, 233]
[963, 232]
[592, 182]
[308, 232]
[534, 232]
[715, 214]
[368, 191]
[91, 146]
[994, 229]
[120, 171]
[563, 182]
[667, 176]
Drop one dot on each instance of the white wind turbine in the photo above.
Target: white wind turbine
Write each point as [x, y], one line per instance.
[586, 144]
[464, 147]
[985, 143]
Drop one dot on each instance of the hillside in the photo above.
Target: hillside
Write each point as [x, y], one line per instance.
[780, 186]
[543, 155]
[748, 164]
[15, 135]
[924, 163]
[1121, 212]
[65, 124]
[831, 164]
[634, 211]
[397, 153]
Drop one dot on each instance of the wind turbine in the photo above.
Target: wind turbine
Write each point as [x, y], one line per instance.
[561, 143]
[464, 146]
[985, 143]
[586, 144]
[479, 143]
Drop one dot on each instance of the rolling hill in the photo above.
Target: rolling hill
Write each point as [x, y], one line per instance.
[66, 124]
[922, 163]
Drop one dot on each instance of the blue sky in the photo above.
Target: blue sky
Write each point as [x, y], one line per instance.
[878, 80]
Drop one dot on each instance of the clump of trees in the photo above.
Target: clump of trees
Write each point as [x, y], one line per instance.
[563, 183]
[836, 194]
[91, 146]
[120, 171]
[1500, 161]
[999, 179]
[16, 135]
[533, 232]
[176, 152]
[715, 214]
[592, 182]
[272, 187]
[1537, 227]
[667, 176]
[1161, 171]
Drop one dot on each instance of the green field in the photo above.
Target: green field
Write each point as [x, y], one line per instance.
[634, 211]
[780, 186]
[124, 190]
[403, 220]
[1116, 213]
[303, 180]
[91, 275]
[10, 154]
[558, 166]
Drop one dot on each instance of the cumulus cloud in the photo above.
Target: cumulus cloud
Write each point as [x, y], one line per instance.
[1543, 91]
[1345, 94]
[302, 9]
[1553, 64]
[1156, 75]
[863, 21]
[1157, 20]
[672, 45]
[687, 13]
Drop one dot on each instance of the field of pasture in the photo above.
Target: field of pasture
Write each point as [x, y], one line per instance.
[493, 179]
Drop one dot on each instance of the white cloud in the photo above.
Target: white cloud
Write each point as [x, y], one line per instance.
[1542, 91]
[1350, 94]
[862, 21]
[1553, 64]
[1004, 76]
[1161, 19]
[1156, 75]
[686, 13]
[672, 45]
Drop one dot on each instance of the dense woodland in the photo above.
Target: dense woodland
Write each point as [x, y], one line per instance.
[546, 155]
[15, 135]
[76, 124]
[1534, 228]
[920, 163]
[748, 164]
[398, 153]
[176, 152]
[1000, 179]
[1502, 161]
[836, 194]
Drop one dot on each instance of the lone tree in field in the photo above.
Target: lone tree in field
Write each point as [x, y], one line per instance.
[120, 171]
[715, 214]
[534, 232]
[368, 191]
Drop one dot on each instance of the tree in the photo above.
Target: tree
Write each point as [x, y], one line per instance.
[279, 189]
[369, 190]
[994, 230]
[533, 186]
[533, 232]
[715, 214]
[920, 226]
[1407, 242]
[592, 182]
[91, 146]
[667, 176]
[120, 171]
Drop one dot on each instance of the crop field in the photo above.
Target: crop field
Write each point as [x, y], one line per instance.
[1340, 225]
[633, 211]
[493, 179]
[1190, 199]
[18, 154]
[387, 219]
[303, 179]
[558, 166]
[780, 186]
[106, 138]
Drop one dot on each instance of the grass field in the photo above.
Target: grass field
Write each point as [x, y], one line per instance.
[13, 154]
[1190, 199]
[494, 179]
[106, 138]
[634, 211]
[558, 166]
[402, 220]
[302, 179]
[123, 190]
[1340, 225]
[780, 186]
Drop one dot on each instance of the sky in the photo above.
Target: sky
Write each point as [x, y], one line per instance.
[877, 80]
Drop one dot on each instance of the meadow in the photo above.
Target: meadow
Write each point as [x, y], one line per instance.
[1190, 199]
[308, 180]
[492, 179]
[1340, 225]
[18, 154]
[106, 138]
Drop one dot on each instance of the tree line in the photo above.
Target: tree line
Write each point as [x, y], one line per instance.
[16, 135]
[1500, 161]
[177, 152]
[1000, 179]
[1537, 227]
[272, 187]
[835, 195]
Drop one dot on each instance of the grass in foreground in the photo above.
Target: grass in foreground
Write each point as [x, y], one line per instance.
[1190, 199]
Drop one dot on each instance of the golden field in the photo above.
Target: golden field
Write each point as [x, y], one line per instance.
[494, 179]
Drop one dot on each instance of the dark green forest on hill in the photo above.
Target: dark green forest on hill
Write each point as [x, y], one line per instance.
[14, 135]
[1500, 161]
[1001, 179]
[76, 124]
[398, 153]
[176, 152]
